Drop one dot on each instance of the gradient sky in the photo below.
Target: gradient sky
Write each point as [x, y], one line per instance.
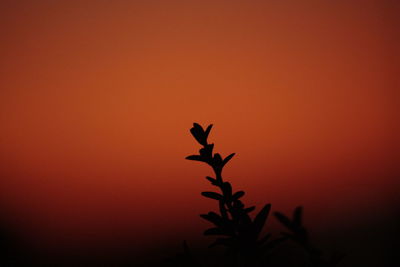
[97, 98]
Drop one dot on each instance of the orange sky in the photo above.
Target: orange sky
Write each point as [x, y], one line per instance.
[97, 98]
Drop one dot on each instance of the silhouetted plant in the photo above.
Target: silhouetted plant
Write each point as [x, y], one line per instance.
[233, 226]
[237, 230]
[298, 234]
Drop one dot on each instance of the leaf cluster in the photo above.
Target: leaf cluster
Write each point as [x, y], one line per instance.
[233, 225]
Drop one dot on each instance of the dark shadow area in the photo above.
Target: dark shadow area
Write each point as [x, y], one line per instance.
[13, 250]
[239, 237]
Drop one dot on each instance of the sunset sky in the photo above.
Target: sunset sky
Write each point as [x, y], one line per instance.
[97, 99]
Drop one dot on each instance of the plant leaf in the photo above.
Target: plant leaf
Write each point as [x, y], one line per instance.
[212, 180]
[297, 216]
[195, 157]
[228, 158]
[238, 195]
[198, 133]
[260, 219]
[212, 217]
[197, 126]
[207, 132]
[284, 220]
[249, 209]
[212, 195]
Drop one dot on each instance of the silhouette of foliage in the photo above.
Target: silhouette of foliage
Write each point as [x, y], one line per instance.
[233, 226]
[299, 235]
